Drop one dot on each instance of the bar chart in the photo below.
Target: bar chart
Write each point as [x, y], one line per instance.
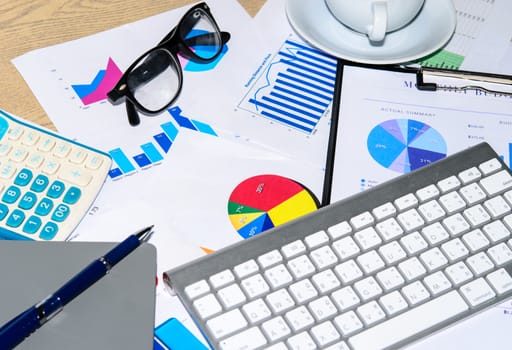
[294, 89]
[154, 150]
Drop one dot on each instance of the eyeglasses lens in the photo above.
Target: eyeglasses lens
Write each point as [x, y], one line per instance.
[201, 35]
[155, 81]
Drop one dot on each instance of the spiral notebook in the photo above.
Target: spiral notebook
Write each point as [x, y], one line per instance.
[117, 312]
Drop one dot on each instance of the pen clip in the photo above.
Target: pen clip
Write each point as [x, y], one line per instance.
[422, 85]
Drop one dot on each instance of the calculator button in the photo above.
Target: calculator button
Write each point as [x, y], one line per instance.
[5, 148]
[7, 170]
[18, 155]
[27, 201]
[61, 213]
[76, 176]
[56, 189]
[30, 138]
[50, 167]
[11, 195]
[40, 183]
[16, 218]
[77, 156]
[23, 178]
[44, 207]
[49, 231]
[15, 132]
[46, 144]
[32, 224]
[35, 160]
[4, 209]
[62, 150]
[72, 195]
[93, 161]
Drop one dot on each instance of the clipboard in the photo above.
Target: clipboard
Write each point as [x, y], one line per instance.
[426, 81]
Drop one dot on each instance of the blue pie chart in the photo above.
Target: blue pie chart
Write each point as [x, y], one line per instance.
[403, 145]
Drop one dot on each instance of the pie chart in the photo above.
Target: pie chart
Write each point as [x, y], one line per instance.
[265, 201]
[403, 145]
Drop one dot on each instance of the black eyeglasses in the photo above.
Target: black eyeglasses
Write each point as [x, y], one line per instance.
[154, 80]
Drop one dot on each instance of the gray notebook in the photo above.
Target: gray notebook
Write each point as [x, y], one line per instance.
[115, 313]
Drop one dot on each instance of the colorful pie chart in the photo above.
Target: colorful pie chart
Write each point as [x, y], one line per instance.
[265, 201]
[403, 145]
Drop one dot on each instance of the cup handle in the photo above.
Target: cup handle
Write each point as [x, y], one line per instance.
[377, 31]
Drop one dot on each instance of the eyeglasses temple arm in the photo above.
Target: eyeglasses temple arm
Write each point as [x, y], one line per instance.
[133, 115]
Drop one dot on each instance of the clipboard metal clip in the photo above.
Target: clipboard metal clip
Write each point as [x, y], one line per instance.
[422, 74]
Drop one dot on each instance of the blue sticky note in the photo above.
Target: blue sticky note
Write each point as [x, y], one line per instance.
[175, 336]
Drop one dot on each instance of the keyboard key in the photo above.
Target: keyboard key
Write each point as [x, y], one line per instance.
[477, 292]
[500, 281]
[276, 328]
[278, 276]
[370, 313]
[393, 303]
[293, 249]
[497, 183]
[410, 323]
[269, 259]
[384, 211]
[345, 298]
[280, 300]
[196, 289]
[406, 202]
[249, 339]
[299, 318]
[469, 175]
[207, 306]
[316, 239]
[227, 323]
[428, 192]
[362, 220]
[222, 278]
[339, 230]
[322, 308]
[231, 296]
[325, 333]
[490, 166]
[246, 268]
[348, 323]
[301, 341]
[448, 184]
[256, 311]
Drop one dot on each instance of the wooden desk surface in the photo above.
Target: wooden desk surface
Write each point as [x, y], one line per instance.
[31, 24]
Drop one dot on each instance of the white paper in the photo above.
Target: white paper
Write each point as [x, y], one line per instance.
[454, 120]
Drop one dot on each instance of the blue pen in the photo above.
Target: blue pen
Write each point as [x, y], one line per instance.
[20, 327]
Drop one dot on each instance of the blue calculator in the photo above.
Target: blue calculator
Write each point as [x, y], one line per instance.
[47, 182]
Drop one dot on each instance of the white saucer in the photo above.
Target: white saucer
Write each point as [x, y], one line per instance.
[428, 32]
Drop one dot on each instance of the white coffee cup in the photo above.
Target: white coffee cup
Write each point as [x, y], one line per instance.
[375, 18]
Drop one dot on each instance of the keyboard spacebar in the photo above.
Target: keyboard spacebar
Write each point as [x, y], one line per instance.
[410, 323]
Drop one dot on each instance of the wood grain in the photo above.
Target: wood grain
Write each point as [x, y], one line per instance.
[31, 24]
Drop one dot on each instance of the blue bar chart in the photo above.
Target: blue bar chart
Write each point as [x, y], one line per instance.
[154, 150]
[295, 89]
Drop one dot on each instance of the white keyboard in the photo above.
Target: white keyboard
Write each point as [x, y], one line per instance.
[47, 182]
[375, 271]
